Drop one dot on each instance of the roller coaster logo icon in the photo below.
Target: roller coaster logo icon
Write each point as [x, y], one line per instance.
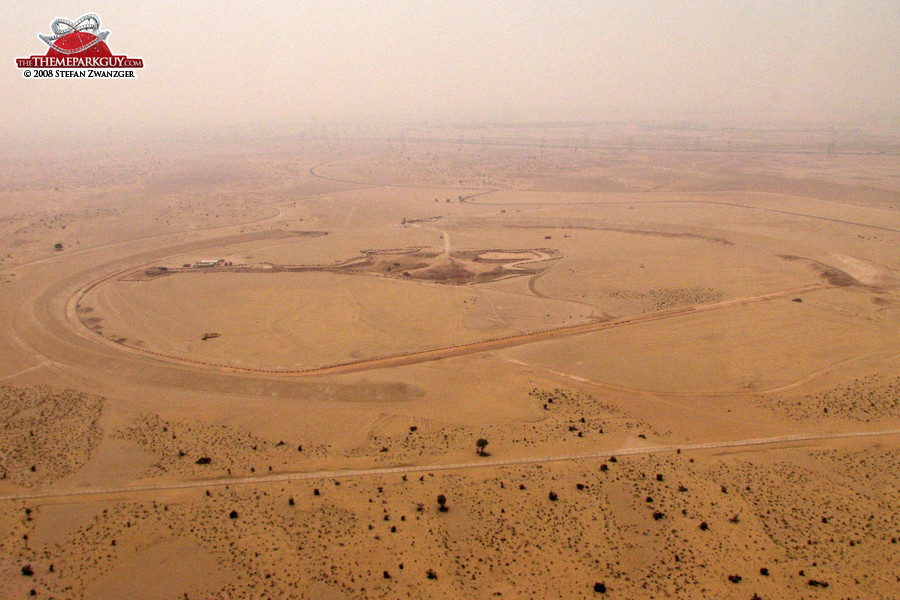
[78, 45]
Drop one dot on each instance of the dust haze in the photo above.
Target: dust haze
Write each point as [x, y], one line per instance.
[398, 300]
[269, 67]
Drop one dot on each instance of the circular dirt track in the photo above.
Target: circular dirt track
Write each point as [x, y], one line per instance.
[57, 331]
[47, 328]
[78, 325]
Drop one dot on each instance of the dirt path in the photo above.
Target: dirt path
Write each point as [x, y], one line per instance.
[520, 265]
[872, 357]
[713, 202]
[484, 463]
[445, 238]
[173, 235]
[446, 352]
[530, 338]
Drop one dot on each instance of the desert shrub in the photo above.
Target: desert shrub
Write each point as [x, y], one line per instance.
[481, 444]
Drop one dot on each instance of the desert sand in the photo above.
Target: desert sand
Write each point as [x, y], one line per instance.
[248, 368]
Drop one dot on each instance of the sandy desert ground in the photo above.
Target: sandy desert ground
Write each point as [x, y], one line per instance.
[248, 368]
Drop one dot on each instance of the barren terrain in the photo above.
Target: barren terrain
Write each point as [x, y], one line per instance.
[250, 369]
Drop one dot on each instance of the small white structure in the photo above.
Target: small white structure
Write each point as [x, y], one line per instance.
[205, 264]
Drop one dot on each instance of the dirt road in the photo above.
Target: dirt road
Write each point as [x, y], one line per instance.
[375, 472]
[453, 351]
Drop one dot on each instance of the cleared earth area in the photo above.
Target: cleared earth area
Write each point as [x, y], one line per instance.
[468, 365]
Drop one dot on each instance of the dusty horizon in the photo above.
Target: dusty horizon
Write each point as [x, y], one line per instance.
[224, 66]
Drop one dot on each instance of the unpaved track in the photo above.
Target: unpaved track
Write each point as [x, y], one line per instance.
[540, 336]
[445, 238]
[133, 241]
[469, 199]
[375, 472]
[689, 201]
[446, 352]
[872, 357]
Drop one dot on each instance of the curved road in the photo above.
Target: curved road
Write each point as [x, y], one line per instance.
[410, 358]
[45, 328]
[41, 326]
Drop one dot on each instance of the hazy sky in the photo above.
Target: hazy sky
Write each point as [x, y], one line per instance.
[225, 63]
